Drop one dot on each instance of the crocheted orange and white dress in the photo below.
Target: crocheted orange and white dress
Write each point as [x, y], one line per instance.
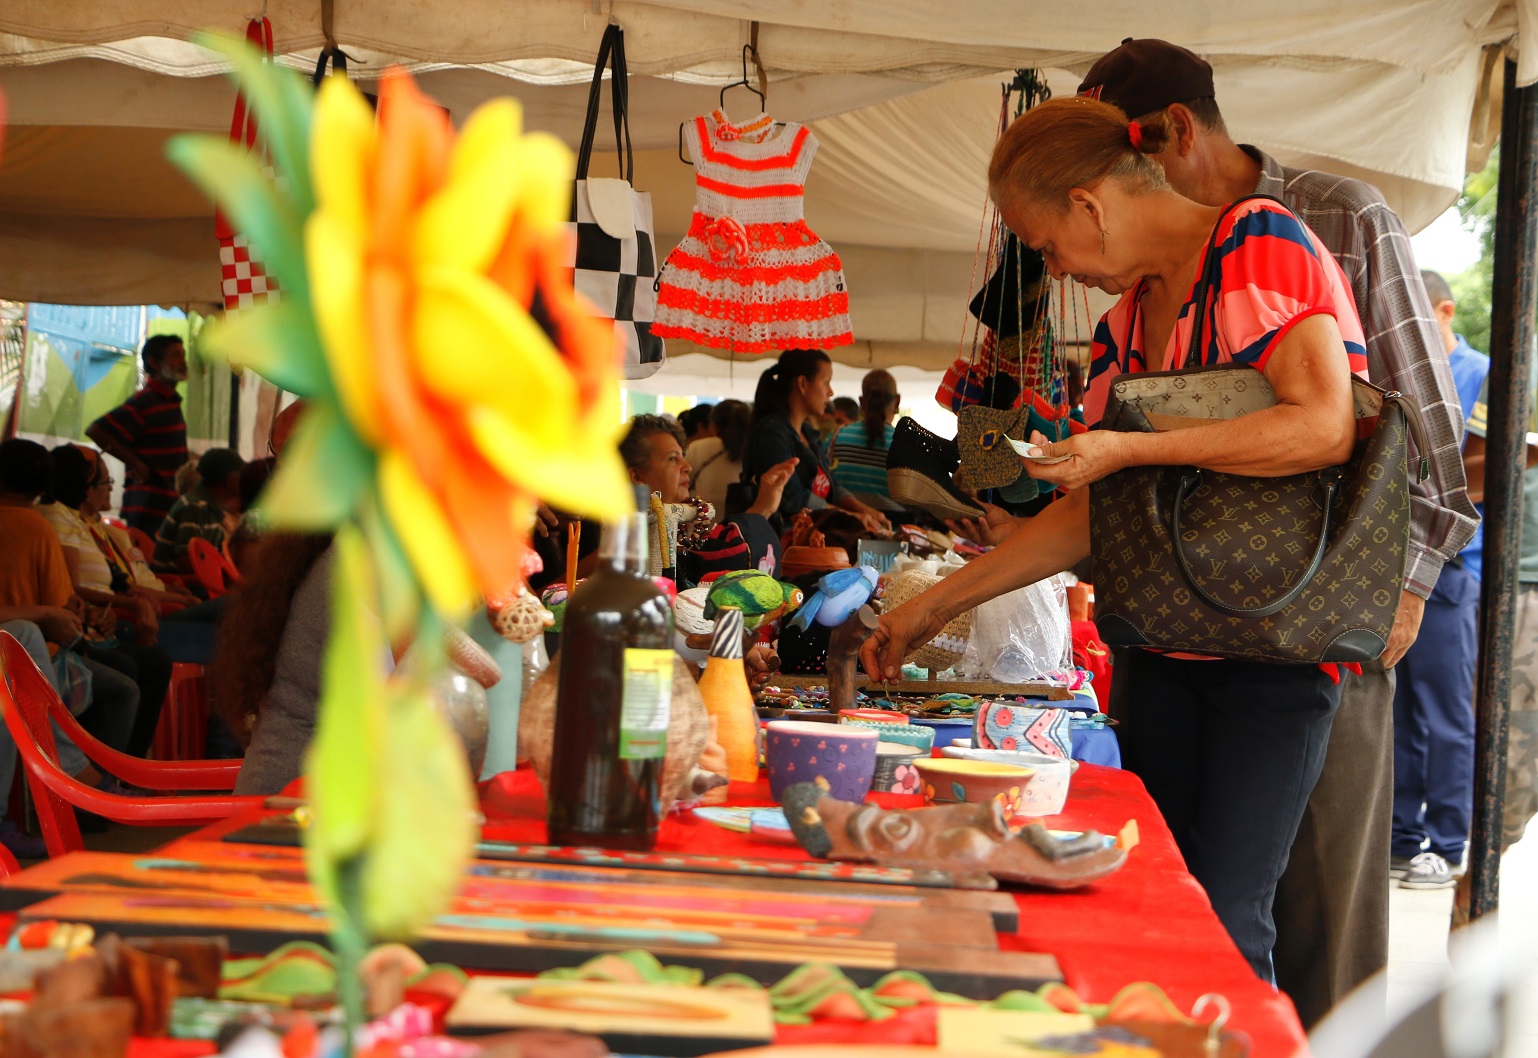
[751, 276]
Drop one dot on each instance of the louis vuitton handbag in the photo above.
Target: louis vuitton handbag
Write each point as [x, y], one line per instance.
[1300, 569]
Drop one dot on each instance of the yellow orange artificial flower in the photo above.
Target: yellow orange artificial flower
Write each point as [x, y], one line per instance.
[456, 346]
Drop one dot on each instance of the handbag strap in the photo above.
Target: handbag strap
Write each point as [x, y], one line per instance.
[1204, 282]
[611, 54]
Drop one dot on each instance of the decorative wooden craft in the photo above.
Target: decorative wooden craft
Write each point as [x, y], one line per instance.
[513, 917]
[678, 1020]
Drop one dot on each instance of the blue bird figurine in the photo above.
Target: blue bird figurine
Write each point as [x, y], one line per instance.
[838, 595]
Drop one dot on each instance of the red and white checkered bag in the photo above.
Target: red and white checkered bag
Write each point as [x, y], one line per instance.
[245, 281]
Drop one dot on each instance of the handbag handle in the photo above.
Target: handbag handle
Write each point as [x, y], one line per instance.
[338, 59]
[610, 52]
[1329, 482]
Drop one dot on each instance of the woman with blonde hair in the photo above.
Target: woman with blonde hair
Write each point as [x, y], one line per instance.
[1229, 749]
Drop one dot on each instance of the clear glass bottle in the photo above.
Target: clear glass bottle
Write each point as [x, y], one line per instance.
[613, 700]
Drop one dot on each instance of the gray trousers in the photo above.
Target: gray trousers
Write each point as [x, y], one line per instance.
[30, 636]
[1331, 906]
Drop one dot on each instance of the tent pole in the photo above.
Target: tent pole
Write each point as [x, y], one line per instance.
[1511, 354]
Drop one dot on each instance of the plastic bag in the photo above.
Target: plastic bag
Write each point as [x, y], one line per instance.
[1021, 634]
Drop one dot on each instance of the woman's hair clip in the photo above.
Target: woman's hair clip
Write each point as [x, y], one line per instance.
[1135, 134]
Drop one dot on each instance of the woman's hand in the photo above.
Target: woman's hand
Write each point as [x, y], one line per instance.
[145, 619]
[990, 530]
[874, 521]
[762, 662]
[1091, 456]
[59, 625]
[898, 634]
[771, 487]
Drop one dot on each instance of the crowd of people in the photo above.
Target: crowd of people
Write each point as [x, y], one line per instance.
[106, 606]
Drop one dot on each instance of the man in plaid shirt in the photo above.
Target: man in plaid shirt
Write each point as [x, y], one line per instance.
[1331, 907]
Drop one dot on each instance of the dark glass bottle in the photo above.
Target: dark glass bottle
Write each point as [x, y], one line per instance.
[613, 700]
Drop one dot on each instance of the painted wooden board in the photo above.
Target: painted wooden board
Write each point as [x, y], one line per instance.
[283, 833]
[268, 871]
[558, 906]
[989, 1033]
[508, 939]
[678, 1021]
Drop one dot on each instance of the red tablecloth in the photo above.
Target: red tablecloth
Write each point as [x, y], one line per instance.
[1150, 921]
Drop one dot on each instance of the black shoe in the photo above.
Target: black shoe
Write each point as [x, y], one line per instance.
[919, 465]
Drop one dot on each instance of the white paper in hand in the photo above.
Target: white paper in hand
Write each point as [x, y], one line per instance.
[1034, 452]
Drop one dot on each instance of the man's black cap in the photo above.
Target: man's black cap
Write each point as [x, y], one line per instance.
[1143, 76]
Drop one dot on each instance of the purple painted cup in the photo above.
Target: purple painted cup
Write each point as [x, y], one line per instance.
[802, 751]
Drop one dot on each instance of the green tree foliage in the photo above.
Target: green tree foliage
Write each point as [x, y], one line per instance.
[1471, 288]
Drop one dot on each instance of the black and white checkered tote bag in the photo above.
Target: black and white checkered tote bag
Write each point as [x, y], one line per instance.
[615, 260]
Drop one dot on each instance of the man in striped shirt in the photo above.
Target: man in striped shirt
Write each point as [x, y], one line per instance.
[147, 432]
[1332, 904]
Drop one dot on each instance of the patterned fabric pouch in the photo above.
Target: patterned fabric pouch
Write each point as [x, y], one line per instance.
[1017, 727]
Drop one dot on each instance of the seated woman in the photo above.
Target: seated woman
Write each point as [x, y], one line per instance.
[715, 462]
[92, 578]
[653, 452]
[1230, 750]
[789, 394]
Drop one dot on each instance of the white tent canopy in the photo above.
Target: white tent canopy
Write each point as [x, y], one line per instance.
[902, 94]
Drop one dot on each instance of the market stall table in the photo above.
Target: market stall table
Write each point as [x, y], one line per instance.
[1148, 922]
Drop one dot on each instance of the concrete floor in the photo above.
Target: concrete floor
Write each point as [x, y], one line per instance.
[1418, 939]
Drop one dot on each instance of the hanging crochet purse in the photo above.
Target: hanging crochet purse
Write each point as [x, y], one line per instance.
[987, 460]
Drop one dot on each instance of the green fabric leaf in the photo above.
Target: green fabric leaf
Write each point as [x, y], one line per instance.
[283, 103]
[424, 827]
[273, 222]
[278, 341]
[343, 772]
[400, 598]
[324, 476]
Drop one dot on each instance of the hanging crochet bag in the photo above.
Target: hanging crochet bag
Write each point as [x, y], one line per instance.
[615, 262]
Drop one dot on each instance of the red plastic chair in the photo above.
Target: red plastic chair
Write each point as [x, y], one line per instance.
[212, 569]
[143, 541]
[183, 728]
[27, 700]
[29, 684]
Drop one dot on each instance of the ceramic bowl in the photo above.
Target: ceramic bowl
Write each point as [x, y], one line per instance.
[919, 737]
[895, 772]
[948, 780]
[802, 751]
[800, 560]
[1048, 789]
[874, 716]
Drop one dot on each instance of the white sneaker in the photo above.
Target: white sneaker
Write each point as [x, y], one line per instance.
[1428, 871]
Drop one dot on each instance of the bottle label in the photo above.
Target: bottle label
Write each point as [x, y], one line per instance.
[647, 704]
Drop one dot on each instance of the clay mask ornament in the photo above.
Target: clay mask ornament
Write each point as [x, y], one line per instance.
[970, 842]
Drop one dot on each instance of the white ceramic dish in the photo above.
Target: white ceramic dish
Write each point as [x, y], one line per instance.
[1046, 793]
